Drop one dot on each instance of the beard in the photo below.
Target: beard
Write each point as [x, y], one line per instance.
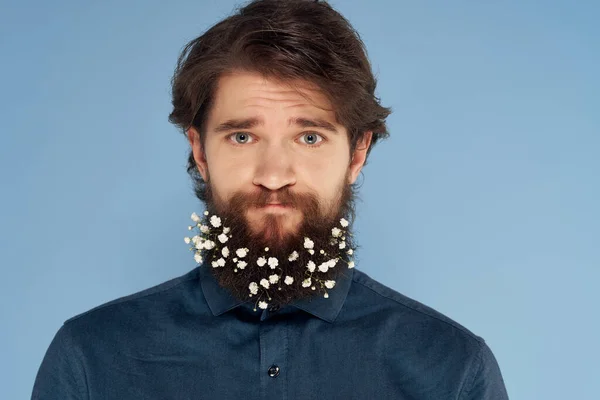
[269, 239]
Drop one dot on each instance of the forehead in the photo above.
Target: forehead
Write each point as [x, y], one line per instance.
[244, 93]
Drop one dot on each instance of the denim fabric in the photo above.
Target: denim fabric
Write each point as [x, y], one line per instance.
[187, 338]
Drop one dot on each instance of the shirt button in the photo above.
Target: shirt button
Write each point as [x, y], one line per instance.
[273, 371]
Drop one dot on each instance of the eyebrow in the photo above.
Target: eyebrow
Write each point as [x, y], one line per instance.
[249, 123]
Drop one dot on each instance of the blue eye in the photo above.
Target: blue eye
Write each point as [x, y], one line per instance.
[241, 137]
[312, 138]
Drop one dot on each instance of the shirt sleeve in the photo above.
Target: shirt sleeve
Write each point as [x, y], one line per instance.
[61, 374]
[486, 382]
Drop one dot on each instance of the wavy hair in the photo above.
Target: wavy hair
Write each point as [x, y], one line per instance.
[288, 40]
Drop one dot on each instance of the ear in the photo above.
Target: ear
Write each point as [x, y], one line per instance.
[359, 156]
[198, 151]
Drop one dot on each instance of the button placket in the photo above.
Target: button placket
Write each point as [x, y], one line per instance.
[273, 347]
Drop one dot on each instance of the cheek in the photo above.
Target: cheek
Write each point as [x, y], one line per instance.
[228, 173]
[324, 175]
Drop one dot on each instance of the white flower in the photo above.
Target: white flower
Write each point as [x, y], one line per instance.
[329, 284]
[195, 217]
[326, 295]
[311, 266]
[190, 228]
[350, 251]
[222, 238]
[351, 264]
[323, 267]
[288, 280]
[226, 230]
[198, 258]
[242, 264]
[209, 244]
[241, 253]
[205, 212]
[261, 261]
[215, 221]
[342, 245]
[204, 228]
[273, 262]
[253, 287]
[262, 304]
[306, 282]
[225, 252]
[336, 232]
[186, 240]
[234, 259]
[293, 256]
[311, 251]
[343, 222]
[215, 264]
[308, 244]
[221, 262]
[266, 249]
[274, 278]
[196, 239]
[264, 283]
[331, 263]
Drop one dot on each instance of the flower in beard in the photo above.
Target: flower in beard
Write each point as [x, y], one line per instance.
[273, 262]
[215, 221]
[293, 255]
[253, 288]
[264, 283]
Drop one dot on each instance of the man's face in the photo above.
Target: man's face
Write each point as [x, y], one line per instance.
[267, 142]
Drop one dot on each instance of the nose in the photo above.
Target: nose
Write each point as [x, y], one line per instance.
[275, 168]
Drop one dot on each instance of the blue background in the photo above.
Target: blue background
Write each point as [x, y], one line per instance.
[483, 203]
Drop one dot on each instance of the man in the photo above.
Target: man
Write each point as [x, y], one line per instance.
[278, 104]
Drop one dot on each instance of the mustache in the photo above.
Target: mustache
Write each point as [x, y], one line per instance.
[284, 196]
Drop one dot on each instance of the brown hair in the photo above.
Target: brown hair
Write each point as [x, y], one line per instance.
[288, 40]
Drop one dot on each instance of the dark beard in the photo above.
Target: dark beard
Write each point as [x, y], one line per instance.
[316, 224]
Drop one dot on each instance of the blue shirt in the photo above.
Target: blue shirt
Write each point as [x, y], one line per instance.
[187, 338]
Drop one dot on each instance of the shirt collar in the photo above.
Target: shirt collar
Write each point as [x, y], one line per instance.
[220, 300]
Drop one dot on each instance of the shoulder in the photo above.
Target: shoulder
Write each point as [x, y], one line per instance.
[136, 305]
[408, 313]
